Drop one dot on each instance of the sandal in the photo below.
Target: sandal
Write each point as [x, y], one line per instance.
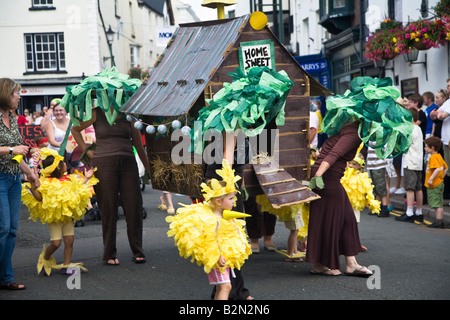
[255, 250]
[12, 286]
[114, 263]
[359, 273]
[293, 259]
[138, 260]
[270, 247]
[170, 211]
[325, 272]
[162, 207]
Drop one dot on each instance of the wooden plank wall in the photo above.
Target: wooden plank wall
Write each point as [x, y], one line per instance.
[293, 146]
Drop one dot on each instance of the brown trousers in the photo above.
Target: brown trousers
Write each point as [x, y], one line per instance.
[260, 224]
[118, 176]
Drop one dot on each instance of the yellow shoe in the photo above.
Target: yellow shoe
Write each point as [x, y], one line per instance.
[45, 264]
[63, 267]
[171, 211]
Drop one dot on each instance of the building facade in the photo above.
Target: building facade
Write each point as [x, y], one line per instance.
[351, 22]
[329, 37]
[55, 43]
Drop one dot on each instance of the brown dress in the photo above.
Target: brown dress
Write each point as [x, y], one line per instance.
[118, 174]
[333, 230]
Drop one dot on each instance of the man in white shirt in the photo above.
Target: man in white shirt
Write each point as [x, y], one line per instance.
[412, 168]
[313, 128]
[443, 114]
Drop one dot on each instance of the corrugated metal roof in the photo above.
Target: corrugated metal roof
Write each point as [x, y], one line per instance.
[187, 64]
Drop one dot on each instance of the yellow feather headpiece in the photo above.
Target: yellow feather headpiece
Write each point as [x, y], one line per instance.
[216, 189]
[46, 152]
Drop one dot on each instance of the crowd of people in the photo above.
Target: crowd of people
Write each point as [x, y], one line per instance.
[410, 171]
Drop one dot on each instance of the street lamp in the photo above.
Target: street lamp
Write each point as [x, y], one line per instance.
[412, 56]
[110, 38]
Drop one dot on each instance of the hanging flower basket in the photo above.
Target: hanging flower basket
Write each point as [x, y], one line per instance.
[380, 45]
[446, 21]
[422, 35]
[420, 45]
[442, 8]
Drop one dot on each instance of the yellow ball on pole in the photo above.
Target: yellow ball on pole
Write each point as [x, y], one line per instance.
[258, 20]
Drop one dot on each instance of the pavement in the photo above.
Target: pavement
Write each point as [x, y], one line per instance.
[398, 202]
[416, 267]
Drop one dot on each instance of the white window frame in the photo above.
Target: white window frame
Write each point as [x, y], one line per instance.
[41, 3]
[135, 55]
[44, 52]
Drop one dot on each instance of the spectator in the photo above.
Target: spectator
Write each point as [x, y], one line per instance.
[313, 126]
[442, 114]
[397, 161]
[21, 120]
[415, 101]
[434, 179]
[376, 168]
[11, 145]
[428, 101]
[412, 167]
[56, 130]
[28, 117]
[39, 117]
[48, 114]
[441, 97]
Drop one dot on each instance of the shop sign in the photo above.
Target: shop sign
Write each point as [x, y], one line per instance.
[42, 90]
[315, 66]
[163, 35]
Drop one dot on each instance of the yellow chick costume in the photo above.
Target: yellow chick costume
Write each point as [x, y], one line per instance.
[63, 200]
[202, 236]
[359, 188]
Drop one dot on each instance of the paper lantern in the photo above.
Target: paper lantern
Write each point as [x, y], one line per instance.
[138, 125]
[176, 124]
[162, 129]
[150, 129]
[186, 130]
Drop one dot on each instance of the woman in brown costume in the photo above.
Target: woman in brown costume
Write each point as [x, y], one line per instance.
[333, 229]
[113, 157]
[350, 119]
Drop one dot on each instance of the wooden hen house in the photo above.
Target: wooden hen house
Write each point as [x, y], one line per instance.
[193, 67]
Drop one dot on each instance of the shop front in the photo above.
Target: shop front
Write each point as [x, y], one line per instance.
[38, 93]
[34, 98]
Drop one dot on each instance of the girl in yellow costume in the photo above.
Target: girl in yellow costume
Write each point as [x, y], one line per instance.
[209, 233]
[60, 200]
[359, 187]
[295, 219]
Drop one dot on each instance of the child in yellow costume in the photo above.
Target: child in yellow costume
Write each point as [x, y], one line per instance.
[295, 219]
[60, 200]
[359, 187]
[209, 232]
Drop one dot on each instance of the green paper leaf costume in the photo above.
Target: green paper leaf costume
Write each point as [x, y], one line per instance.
[382, 120]
[110, 88]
